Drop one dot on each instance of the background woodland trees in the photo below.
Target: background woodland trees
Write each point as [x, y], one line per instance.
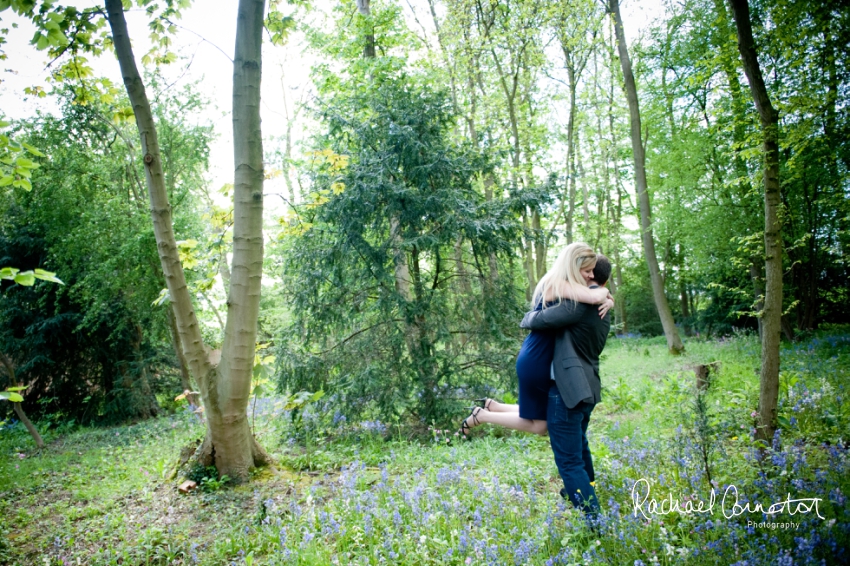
[481, 137]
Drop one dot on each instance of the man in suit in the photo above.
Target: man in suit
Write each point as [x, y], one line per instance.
[576, 387]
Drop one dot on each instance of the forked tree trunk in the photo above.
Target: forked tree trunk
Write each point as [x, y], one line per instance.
[224, 381]
[674, 341]
[772, 313]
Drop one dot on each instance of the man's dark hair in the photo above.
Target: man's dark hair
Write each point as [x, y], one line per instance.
[602, 271]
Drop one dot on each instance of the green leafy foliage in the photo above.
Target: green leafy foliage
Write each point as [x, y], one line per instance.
[391, 187]
[11, 396]
[704, 158]
[15, 168]
[207, 478]
[27, 278]
[90, 348]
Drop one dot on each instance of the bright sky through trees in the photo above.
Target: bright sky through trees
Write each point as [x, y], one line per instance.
[204, 43]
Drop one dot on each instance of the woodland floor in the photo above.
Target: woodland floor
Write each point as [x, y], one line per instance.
[365, 493]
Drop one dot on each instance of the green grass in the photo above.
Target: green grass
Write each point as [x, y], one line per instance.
[350, 496]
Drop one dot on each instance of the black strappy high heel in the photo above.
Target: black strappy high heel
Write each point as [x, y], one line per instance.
[473, 413]
[484, 403]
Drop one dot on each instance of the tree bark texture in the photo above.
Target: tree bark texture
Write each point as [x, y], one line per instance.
[224, 382]
[772, 313]
[674, 341]
[236, 452]
[187, 324]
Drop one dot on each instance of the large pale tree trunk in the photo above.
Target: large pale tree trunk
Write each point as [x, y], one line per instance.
[772, 313]
[224, 378]
[674, 341]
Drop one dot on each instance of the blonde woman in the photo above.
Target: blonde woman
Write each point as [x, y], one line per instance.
[568, 279]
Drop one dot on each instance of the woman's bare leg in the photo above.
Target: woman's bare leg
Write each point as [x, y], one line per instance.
[497, 407]
[506, 419]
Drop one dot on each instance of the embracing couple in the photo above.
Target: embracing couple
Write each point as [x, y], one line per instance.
[558, 367]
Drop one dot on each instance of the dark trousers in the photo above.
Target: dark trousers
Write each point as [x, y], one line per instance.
[567, 428]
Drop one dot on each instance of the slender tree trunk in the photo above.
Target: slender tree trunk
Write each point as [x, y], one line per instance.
[224, 271]
[674, 341]
[585, 197]
[683, 297]
[421, 343]
[539, 244]
[571, 159]
[148, 405]
[493, 264]
[28, 425]
[575, 60]
[369, 45]
[224, 380]
[772, 314]
[19, 410]
[758, 290]
[402, 272]
[287, 148]
[528, 259]
[739, 135]
[228, 424]
[185, 376]
[619, 306]
[187, 323]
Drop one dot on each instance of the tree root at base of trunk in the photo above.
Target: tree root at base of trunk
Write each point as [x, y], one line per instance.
[205, 455]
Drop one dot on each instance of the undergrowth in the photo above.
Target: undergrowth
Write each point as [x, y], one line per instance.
[375, 493]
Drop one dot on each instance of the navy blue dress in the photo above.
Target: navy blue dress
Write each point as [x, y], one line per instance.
[532, 369]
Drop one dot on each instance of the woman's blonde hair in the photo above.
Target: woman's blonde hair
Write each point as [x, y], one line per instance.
[567, 267]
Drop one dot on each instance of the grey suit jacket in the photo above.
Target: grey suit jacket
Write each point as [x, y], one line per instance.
[580, 338]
